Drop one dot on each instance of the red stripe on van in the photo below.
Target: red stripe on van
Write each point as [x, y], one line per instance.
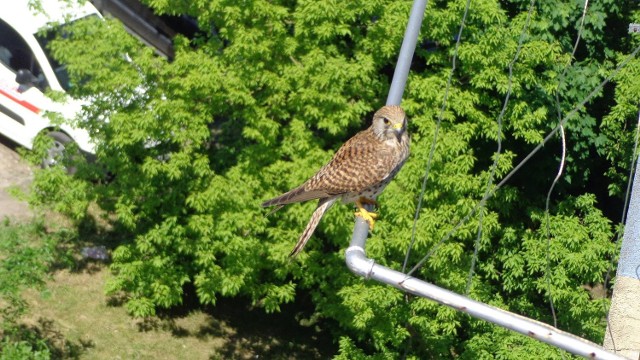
[24, 103]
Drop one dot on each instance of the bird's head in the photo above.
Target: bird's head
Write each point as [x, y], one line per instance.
[390, 122]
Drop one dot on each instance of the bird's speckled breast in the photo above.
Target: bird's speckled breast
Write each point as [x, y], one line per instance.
[401, 154]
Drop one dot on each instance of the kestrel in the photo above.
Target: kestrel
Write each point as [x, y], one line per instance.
[358, 172]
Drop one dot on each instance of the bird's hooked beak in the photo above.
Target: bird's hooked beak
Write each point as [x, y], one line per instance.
[398, 127]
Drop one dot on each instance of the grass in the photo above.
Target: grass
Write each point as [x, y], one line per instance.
[76, 319]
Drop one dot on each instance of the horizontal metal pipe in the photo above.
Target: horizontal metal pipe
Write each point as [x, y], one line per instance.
[367, 268]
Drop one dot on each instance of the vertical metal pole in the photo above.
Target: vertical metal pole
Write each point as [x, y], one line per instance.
[623, 323]
[623, 328]
[406, 52]
[398, 83]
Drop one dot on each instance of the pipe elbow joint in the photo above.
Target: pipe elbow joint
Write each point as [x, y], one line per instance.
[358, 262]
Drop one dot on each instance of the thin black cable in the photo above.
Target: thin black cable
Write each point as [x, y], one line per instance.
[496, 158]
[435, 137]
[507, 177]
[561, 167]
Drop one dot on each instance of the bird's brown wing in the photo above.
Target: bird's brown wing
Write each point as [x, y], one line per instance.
[360, 163]
[296, 195]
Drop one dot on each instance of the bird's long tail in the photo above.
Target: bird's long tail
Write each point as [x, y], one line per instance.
[323, 206]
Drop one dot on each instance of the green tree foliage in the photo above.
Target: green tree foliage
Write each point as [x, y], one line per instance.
[263, 96]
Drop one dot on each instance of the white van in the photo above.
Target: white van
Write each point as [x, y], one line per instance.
[27, 70]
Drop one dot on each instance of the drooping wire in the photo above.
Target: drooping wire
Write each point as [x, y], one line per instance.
[561, 166]
[548, 226]
[435, 136]
[526, 159]
[494, 166]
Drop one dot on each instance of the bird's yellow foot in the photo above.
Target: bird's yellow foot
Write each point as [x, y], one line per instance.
[368, 216]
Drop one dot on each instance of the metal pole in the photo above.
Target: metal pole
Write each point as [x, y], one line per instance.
[398, 83]
[361, 265]
[623, 325]
[406, 52]
[396, 90]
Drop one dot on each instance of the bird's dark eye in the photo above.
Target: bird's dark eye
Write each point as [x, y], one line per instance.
[386, 121]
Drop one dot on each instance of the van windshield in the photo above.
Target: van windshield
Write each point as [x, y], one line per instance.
[46, 36]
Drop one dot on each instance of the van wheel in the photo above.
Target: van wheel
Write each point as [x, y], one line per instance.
[56, 152]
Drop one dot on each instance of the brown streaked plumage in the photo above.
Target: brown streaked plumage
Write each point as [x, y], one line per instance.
[358, 172]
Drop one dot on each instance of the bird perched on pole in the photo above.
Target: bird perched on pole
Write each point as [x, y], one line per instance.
[358, 172]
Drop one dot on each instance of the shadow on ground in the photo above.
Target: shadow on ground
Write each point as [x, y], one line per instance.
[232, 329]
[45, 333]
[248, 332]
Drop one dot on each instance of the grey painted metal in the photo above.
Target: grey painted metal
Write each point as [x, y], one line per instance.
[406, 52]
[397, 89]
[361, 265]
[623, 325]
[367, 268]
[629, 262]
